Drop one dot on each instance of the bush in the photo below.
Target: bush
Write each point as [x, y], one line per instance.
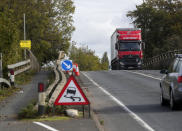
[59, 110]
[28, 112]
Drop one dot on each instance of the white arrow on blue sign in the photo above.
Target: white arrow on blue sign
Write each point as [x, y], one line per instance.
[66, 65]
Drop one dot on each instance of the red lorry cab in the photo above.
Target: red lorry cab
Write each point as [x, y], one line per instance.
[126, 48]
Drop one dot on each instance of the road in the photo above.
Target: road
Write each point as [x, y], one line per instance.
[130, 101]
[12, 106]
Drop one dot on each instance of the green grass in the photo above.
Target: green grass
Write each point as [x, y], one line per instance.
[24, 78]
[28, 112]
[6, 92]
[48, 118]
[101, 122]
[20, 79]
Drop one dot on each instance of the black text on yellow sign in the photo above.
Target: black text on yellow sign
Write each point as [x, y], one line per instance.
[25, 44]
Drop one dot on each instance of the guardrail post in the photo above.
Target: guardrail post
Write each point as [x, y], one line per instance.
[41, 99]
[12, 77]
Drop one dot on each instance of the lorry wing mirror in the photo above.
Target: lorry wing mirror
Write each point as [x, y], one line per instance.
[143, 45]
[116, 46]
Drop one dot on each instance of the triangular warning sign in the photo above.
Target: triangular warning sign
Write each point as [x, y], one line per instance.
[71, 94]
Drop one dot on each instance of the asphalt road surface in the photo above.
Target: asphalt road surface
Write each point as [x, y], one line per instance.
[12, 106]
[130, 101]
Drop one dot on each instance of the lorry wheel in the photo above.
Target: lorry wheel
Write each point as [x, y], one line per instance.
[139, 68]
[112, 67]
[125, 68]
[117, 66]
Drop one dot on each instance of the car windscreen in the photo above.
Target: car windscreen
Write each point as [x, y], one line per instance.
[132, 46]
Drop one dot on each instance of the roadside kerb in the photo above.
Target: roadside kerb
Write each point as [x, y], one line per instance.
[93, 114]
[58, 88]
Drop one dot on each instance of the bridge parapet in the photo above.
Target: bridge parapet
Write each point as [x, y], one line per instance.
[161, 61]
[20, 67]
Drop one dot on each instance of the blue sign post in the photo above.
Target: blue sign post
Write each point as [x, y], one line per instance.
[66, 65]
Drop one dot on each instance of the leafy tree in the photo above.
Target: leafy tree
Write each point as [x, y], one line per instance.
[105, 61]
[161, 24]
[85, 58]
[9, 39]
[49, 25]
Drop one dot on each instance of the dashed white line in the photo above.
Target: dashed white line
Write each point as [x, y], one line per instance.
[138, 73]
[132, 114]
[45, 126]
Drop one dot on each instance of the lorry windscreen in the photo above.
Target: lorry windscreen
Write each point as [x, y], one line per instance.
[129, 46]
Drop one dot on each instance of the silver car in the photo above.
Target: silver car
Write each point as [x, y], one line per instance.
[171, 84]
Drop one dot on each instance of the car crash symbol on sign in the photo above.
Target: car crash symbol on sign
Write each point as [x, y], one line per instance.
[71, 94]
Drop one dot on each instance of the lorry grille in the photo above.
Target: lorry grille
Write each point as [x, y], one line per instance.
[130, 58]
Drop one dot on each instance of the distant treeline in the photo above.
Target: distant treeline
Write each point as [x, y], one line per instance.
[87, 60]
[161, 24]
[49, 24]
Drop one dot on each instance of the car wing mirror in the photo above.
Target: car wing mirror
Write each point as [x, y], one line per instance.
[164, 71]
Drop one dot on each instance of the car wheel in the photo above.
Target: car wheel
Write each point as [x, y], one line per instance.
[163, 101]
[172, 101]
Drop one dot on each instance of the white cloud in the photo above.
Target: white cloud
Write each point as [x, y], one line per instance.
[96, 20]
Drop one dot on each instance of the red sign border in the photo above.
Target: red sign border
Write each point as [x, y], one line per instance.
[71, 103]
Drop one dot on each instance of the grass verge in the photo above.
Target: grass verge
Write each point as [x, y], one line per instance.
[25, 77]
[6, 92]
[48, 118]
[20, 79]
[30, 113]
[101, 122]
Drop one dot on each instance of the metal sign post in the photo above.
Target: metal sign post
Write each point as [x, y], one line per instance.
[1, 66]
[24, 35]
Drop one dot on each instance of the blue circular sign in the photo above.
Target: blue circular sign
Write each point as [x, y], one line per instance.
[66, 65]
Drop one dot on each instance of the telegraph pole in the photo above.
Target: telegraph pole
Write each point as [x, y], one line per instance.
[1, 65]
[24, 34]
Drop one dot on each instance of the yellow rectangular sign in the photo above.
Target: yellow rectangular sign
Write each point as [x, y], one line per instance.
[25, 44]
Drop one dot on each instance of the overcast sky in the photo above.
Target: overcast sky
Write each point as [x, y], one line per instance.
[96, 20]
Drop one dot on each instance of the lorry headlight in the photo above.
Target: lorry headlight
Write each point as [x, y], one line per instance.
[137, 60]
[121, 63]
[139, 63]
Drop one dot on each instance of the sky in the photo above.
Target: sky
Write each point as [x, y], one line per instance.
[96, 20]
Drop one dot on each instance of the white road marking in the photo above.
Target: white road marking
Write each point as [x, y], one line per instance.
[132, 114]
[45, 126]
[146, 75]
